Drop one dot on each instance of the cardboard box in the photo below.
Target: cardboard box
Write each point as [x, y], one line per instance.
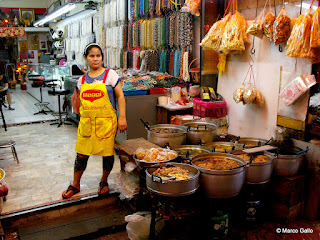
[288, 190]
[285, 214]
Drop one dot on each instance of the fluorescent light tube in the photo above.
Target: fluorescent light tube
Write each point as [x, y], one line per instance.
[57, 13]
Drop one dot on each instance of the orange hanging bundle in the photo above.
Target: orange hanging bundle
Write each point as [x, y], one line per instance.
[315, 30]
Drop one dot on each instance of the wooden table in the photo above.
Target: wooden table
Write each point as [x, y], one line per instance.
[128, 148]
[165, 113]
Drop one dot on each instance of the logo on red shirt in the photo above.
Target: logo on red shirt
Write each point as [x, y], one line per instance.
[92, 95]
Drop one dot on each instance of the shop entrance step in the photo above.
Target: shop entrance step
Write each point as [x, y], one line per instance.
[83, 218]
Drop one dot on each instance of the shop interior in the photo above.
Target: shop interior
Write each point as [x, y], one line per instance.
[202, 79]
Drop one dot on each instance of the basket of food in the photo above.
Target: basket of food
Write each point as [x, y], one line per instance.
[148, 157]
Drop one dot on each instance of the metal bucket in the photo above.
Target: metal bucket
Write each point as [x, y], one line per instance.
[288, 165]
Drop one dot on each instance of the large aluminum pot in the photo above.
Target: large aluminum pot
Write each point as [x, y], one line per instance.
[164, 134]
[173, 188]
[200, 131]
[223, 147]
[289, 165]
[260, 172]
[144, 164]
[189, 151]
[221, 183]
[251, 142]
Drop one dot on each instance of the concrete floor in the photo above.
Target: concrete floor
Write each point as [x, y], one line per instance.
[46, 154]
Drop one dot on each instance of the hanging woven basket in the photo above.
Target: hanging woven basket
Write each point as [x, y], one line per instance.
[195, 72]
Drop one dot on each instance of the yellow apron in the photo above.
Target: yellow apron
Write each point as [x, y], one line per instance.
[98, 120]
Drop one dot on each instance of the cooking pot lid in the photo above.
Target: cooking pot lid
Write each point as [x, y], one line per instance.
[200, 125]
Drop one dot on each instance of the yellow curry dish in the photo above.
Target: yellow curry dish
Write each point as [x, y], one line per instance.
[217, 163]
[177, 172]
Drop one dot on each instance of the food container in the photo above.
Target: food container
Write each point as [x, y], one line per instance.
[163, 100]
[221, 183]
[167, 134]
[260, 172]
[289, 165]
[200, 131]
[217, 109]
[189, 151]
[144, 164]
[251, 142]
[224, 147]
[173, 188]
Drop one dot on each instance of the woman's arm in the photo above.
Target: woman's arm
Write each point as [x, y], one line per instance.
[6, 87]
[122, 122]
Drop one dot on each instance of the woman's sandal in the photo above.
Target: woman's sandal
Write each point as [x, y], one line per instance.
[102, 185]
[72, 191]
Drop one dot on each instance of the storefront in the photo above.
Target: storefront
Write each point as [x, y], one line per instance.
[228, 90]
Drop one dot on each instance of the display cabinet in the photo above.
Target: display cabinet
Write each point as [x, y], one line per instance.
[46, 76]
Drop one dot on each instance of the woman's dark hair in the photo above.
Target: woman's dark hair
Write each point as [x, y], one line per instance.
[89, 47]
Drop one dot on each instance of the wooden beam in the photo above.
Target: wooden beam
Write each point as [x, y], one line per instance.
[291, 123]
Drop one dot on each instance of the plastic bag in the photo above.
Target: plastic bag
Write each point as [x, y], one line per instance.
[238, 95]
[222, 63]
[259, 100]
[268, 25]
[138, 226]
[296, 88]
[281, 28]
[192, 6]
[256, 28]
[298, 44]
[76, 102]
[315, 29]
[214, 36]
[233, 36]
[249, 94]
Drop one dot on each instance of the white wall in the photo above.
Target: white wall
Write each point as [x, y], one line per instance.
[261, 122]
[24, 3]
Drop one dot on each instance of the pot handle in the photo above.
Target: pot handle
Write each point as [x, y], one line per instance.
[160, 179]
[205, 126]
[303, 151]
[167, 146]
[156, 179]
[146, 124]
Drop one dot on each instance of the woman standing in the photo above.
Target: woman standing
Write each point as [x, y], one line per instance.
[98, 120]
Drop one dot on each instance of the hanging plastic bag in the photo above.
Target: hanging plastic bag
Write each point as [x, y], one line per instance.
[249, 94]
[243, 26]
[214, 36]
[238, 94]
[298, 44]
[268, 25]
[138, 226]
[259, 100]
[232, 40]
[222, 63]
[256, 28]
[315, 29]
[281, 28]
[296, 88]
[76, 102]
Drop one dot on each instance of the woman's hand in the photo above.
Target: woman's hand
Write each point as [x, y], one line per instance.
[122, 124]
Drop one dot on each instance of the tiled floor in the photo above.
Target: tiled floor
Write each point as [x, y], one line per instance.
[24, 111]
[46, 154]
